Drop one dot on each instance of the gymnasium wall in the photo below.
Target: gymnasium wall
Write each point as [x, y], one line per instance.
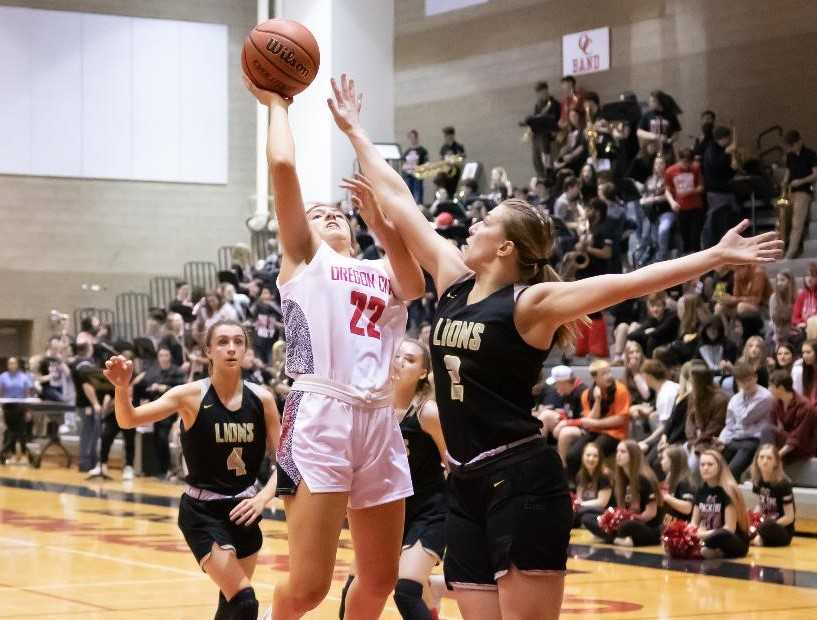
[752, 61]
[58, 233]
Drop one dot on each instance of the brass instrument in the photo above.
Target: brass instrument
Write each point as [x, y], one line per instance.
[737, 153]
[450, 166]
[782, 207]
[591, 134]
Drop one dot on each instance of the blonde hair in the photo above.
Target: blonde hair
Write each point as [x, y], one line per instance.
[778, 475]
[727, 482]
[531, 231]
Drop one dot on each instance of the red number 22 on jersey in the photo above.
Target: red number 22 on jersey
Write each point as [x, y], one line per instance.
[362, 303]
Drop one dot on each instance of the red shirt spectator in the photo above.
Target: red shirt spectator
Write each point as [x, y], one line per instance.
[685, 183]
[805, 306]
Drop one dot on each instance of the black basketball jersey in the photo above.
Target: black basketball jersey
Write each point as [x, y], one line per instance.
[224, 449]
[483, 372]
[423, 456]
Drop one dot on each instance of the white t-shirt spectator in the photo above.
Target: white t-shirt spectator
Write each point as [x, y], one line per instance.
[665, 400]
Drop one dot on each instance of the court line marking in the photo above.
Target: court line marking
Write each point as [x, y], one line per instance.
[97, 584]
[62, 598]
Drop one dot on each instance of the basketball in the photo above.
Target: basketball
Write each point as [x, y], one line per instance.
[282, 56]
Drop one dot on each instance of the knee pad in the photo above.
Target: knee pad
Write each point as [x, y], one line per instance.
[343, 593]
[243, 606]
[408, 596]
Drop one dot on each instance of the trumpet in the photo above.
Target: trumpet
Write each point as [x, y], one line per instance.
[450, 166]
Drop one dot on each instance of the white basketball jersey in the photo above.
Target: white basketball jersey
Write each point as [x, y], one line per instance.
[343, 321]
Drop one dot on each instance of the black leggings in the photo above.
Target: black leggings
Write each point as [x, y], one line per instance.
[641, 533]
[110, 429]
[15, 419]
[774, 535]
[729, 543]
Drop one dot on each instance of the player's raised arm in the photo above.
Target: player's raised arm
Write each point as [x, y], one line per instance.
[119, 372]
[404, 271]
[436, 255]
[298, 241]
[546, 306]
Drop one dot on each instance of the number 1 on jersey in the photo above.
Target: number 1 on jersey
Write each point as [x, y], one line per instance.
[452, 365]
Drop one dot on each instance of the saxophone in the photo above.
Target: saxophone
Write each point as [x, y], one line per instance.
[450, 166]
[591, 134]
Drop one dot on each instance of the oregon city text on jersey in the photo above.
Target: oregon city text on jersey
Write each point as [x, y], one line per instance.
[458, 334]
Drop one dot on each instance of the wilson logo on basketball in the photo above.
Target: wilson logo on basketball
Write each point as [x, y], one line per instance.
[288, 56]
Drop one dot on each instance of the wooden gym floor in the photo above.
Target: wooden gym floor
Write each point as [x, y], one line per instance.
[111, 550]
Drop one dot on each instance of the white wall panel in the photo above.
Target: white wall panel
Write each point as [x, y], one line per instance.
[56, 93]
[15, 90]
[203, 98]
[107, 97]
[99, 96]
[156, 101]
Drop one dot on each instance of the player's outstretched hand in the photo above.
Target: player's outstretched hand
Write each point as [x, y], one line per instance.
[248, 510]
[738, 250]
[265, 97]
[118, 371]
[346, 105]
[366, 202]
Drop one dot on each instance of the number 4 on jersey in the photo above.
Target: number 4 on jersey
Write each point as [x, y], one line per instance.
[235, 462]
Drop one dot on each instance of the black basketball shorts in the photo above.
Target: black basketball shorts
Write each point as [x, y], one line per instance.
[509, 513]
[425, 521]
[206, 522]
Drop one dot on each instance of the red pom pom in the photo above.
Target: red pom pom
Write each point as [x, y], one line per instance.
[613, 518]
[681, 541]
[755, 519]
[577, 503]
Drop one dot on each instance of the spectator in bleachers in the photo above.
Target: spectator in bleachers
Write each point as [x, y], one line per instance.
[719, 170]
[706, 412]
[804, 372]
[659, 328]
[540, 194]
[150, 385]
[545, 118]
[634, 379]
[254, 370]
[801, 173]
[642, 165]
[173, 337]
[451, 148]
[666, 392]
[53, 374]
[566, 207]
[675, 426]
[572, 99]
[500, 187]
[693, 314]
[660, 124]
[784, 357]
[781, 306]
[588, 184]
[15, 383]
[183, 303]
[88, 329]
[685, 190]
[560, 400]
[748, 415]
[717, 351]
[414, 155]
[573, 153]
[266, 316]
[775, 499]
[239, 302]
[754, 354]
[704, 138]
[794, 420]
[242, 264]
[90, 403]
[210, 309]
[605, 417]
[197, 367]
[593, 489]
[804, 313]
[657, 212]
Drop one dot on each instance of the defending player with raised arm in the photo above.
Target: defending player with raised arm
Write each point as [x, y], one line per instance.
[340, 447]
[500, 308]
[227, 426]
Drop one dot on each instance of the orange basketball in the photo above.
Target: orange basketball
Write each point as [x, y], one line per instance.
[282, 56]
